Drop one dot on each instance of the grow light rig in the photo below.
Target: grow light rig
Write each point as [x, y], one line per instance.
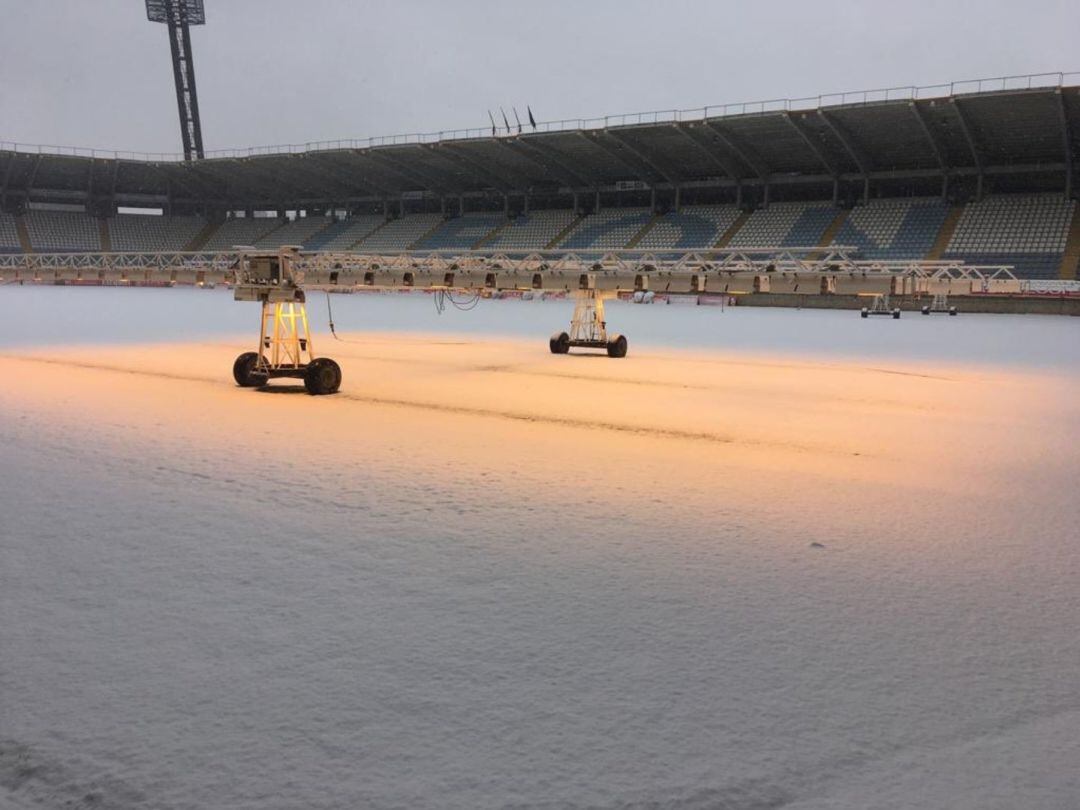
[588, 328]
[284, 348]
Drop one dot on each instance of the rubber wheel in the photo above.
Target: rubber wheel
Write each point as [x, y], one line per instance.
[926, 310]
[616, 346]
[322, 376]
[896, 314]
[559, 343]
[864, 314]
[952, 311]
[244, 372]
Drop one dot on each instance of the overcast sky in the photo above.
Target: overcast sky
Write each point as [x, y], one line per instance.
[96, 73]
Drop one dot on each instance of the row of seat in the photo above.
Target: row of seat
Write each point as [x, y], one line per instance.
[295, 232]
[1018, 223]
[693, 227]
[9, 234]
[791, 224]
[147, 232]
[463, 232]
[609, 228]
[62, 231]
[241, 231]
[893, 228]
[344, 234]
[532, 231]
[1027, 230]
[402, 233]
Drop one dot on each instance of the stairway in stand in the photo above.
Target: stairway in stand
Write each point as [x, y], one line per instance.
[1070, 262]
[24, 235]
[729, 234]
[635, 240]
[945, 235]
[201, 238]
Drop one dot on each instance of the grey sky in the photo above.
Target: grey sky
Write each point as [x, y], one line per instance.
[95, 73]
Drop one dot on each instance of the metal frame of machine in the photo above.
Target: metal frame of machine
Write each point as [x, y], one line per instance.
[588, 326]
[940, 305]
[880, 306]
[284, 348]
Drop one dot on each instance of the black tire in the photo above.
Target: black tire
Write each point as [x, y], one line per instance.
[926, 310]
[244, 372]
[616, 346]
[952, 310]
[864, 314]
[896, 314]
[322, 376]
[559, 343]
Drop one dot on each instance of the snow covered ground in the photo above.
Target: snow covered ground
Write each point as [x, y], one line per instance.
[771, 559]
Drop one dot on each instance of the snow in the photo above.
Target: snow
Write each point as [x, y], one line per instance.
[484, 576]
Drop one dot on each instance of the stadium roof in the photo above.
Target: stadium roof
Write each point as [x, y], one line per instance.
[1027, 125]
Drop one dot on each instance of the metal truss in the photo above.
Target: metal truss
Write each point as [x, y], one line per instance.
[466, 268]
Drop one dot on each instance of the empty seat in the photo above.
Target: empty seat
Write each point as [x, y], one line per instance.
[62, 231]
[148, 232]
[610, 228]
[461, 233]
[692, 228]
[532, 231]
[401, 233]
[346, 233]
[891, 229]
[241, 231]
[9, 235]
[296, 232]
[787, 224]
[1028, 231]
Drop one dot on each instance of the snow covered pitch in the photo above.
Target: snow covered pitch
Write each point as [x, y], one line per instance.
[771, 559]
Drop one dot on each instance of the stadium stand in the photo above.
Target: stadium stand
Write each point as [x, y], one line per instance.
[402, 233]
[241, 231]
[1028, 231]
[9, 235]
[344, 234]
[893, 228]
[693, 227]
[532, 231]
[462, 232]
[787, 224]
[296, 232]
[148, 232]
[62, 231]
[608, 228]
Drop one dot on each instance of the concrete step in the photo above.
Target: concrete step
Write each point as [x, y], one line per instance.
[948, 228]
[427, 235]
[360, 241]
[565, 232]
[490, 235]
[24, 235]
[637, 237]
[834, 228]
[729, 234]
[830, 233]
[201, 238]
[105, 235]
[1070, 262]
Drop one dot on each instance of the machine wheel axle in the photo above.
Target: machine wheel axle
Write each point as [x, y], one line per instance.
[245, 371]
[322, 376]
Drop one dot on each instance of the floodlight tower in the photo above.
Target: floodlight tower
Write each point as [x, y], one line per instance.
[179, 15]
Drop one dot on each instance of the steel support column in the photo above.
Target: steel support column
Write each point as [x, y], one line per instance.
[969, 136]
[1066, 143]
[187, 101]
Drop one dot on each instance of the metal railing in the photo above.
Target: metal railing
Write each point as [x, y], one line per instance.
[849, 98]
